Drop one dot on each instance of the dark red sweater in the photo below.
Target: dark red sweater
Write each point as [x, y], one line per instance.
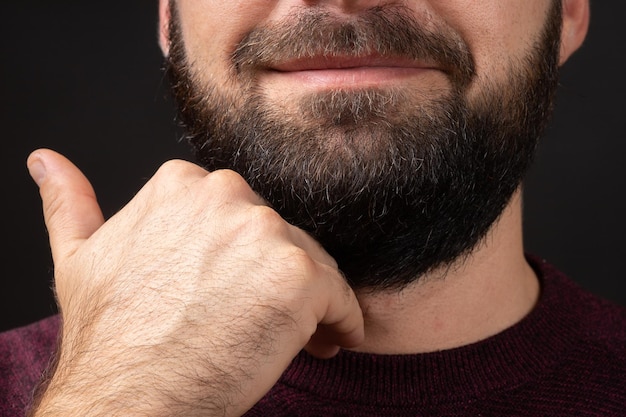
[566, 358]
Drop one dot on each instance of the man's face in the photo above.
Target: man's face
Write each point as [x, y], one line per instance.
[395, 132]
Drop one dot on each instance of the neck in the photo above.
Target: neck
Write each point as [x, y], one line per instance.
[481, 295]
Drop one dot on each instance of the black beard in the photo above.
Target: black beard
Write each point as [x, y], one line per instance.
[391, 185]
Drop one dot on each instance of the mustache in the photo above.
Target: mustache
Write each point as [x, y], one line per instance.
[387, 31]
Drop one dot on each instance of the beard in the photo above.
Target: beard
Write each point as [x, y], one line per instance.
[392, 183]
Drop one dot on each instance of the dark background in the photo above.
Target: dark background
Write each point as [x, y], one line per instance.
[85, 78]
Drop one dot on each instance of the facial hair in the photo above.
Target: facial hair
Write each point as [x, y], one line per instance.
[393, 185]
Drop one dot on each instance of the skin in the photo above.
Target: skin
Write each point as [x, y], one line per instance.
[159, 302]
[497, 32]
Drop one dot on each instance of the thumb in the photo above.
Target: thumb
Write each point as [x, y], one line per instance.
[70, 208]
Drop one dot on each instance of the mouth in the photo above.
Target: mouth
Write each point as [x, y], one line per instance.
[347, 71]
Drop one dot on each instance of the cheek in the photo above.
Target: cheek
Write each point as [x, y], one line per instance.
[211, 30]
[499, 33]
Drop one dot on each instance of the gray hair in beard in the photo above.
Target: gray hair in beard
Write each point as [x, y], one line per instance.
[391, 185]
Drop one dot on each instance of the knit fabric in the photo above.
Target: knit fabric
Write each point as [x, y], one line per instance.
[566, 358]
[24, 354]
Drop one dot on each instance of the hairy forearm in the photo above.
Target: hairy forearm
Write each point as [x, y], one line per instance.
[190, 371]
[133, 384]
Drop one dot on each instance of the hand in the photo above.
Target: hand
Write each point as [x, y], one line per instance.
[192, 300]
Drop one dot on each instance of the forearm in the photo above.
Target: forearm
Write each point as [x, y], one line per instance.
[133, 384]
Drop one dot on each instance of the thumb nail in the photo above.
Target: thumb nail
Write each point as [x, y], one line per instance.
[37, 169]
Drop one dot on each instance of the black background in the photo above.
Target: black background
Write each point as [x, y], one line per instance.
[86, 79]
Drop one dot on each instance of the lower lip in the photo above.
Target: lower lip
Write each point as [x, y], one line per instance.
[349, 77]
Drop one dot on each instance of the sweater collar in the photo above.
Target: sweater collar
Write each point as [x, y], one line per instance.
[511, 358]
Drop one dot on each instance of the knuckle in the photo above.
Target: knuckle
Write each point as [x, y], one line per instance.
[301, 263]
[178, 168]
[226, 180]
[262, 224]
[267, 219]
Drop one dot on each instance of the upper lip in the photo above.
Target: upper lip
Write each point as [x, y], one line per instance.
[346, 62]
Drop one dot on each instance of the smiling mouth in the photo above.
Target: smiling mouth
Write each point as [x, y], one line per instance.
[347, 71]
